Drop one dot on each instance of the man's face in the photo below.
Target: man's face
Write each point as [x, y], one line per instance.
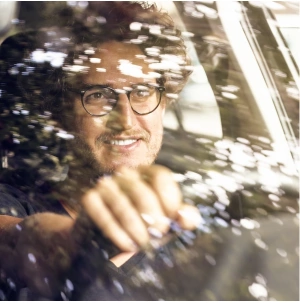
[121, 137]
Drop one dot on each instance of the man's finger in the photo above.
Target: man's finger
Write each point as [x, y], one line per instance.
[189, 217]
[161, 181]
[144, 198]
[123, 211]
[105, 221]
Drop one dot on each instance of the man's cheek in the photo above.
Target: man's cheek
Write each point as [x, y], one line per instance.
[89, 126]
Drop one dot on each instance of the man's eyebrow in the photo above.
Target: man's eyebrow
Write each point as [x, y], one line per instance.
[143, 83]
[88, 85]
[84, 84]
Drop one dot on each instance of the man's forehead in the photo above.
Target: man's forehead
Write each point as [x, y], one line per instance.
[122, 63]
[112, 63]
[115, 51]
[121, 73]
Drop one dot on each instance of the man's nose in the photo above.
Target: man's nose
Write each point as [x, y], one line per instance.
[122, 116]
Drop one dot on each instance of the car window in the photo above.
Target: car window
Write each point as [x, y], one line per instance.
[231, 139]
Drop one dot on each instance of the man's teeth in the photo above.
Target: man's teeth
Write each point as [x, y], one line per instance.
[122, 142]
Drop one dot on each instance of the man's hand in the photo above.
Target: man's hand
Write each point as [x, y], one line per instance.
[128, 208]
[135, 204]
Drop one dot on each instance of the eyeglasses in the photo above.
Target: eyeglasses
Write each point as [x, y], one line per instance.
[99, 100]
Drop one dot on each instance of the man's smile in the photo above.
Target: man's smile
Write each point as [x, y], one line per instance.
[122, 145]
[121, 142]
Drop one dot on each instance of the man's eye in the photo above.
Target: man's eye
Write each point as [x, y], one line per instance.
[141, 93]
[94, 97]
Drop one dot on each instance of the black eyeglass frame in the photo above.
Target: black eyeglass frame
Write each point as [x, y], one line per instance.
[160, 89]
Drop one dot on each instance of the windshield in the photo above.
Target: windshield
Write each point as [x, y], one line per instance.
[215, 100]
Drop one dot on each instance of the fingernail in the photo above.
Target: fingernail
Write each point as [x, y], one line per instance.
[193, 216]
[148, 219]
[164, 220]
[155, 232]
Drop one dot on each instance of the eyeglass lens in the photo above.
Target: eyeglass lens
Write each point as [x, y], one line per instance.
[101, 100]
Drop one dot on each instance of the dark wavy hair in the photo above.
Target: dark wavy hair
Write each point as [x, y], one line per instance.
[131, 22]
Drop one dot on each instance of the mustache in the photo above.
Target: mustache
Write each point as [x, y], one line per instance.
[108, 136]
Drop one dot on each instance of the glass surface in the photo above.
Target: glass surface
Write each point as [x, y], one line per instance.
[231, 139]
[100, 101]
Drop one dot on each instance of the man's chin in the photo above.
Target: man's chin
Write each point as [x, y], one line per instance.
[109, 169]
[101, 163]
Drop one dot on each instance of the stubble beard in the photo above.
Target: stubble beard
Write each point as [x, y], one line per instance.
[88, 158]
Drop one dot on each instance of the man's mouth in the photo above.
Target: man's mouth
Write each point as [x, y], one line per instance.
[121, 142]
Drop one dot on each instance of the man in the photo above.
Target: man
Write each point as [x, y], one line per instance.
[109, 89]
